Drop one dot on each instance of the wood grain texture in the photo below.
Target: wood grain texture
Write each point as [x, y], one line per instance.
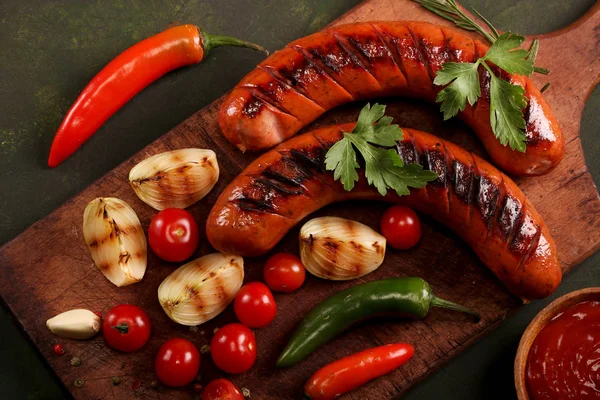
[47, 269]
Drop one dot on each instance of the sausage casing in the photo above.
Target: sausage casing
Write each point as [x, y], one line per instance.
[473, 198]
[311, 75]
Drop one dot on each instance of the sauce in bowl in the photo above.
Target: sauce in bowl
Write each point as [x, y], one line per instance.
[564, 360]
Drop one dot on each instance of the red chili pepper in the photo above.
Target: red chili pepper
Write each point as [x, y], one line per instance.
[127, 75]
[353, 371]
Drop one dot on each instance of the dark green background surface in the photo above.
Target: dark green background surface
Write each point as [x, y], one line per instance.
[49, 50]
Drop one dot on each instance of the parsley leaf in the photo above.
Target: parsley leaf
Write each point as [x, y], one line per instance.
[341, 159]
[506, 100]
[464, 88]
[502, 54]
[384, 168]
[506, 114]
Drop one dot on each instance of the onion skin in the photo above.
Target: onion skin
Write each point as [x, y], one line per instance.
[340, 249]
[175, 179]
[201, 289]
[115, 239]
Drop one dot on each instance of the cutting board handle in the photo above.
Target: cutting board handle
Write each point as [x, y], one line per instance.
[578, 46]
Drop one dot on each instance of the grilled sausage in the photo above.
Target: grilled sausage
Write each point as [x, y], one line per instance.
[351, 62]
[478, 202]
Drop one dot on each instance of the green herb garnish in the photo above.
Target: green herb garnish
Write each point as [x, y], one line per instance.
[448, 9]
[373, 136]
[506, 100]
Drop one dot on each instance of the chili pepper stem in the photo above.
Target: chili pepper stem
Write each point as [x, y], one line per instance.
[438, 302]
[209, 42]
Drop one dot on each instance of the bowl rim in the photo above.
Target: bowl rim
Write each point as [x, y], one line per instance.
[537, 324]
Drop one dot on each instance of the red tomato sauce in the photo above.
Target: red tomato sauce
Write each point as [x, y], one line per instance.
[564, 360]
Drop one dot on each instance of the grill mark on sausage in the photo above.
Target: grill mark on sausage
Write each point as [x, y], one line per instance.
[445, 49]
[353, 48]
[303, 167]
[321, 60]
[256, 205]
[301, 157]
[407, 152]
[282, 80]
[421, 159]
[532, 247]
[463, 181]
[342, 41]
[322, 64]
[452, 56]
[277, 186]
[325, 145]
[421, 52]
[525, 232]
[279, 177]
[302, 172]
[498, 207]
[252, 107]
[537, 127]
[294, 75]
[393, 51]
[509, 217]
[435, 160]
[448, 181]
[260, 94]
[487, 199]
[360, 50]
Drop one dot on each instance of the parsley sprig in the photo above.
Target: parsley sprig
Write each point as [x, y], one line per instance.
[373, 136]
[506, 100]
[448, 9]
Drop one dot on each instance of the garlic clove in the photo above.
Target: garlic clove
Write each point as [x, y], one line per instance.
[201, 289]
[340, 249]
[115, 239]
[77, 324]
[175, 179]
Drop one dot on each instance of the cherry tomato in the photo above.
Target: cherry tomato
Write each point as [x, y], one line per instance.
[58, 349]
[401, 227]
[233, 348]
[254, 305]
[284, 272]
[222, 389]
[177, 362]
[173, 234]
[126, 328]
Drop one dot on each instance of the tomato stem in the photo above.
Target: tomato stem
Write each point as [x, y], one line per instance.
[122, 327]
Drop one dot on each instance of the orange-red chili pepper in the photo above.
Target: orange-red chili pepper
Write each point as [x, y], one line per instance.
[350, 372]
[127, 75]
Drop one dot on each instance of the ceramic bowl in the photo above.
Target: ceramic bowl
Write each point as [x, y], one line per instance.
[538, 323]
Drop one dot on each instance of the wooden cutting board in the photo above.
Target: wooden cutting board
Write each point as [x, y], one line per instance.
[47, 269]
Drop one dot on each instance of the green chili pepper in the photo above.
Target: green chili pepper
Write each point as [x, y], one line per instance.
[405, 296]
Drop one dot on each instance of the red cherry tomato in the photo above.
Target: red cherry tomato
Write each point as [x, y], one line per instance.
[222, 389]
[173, 234]
[177, 362]
[401, 227]
[254, 305]
[233, 348]
[284, 272]
[58, 349]
[126, 328]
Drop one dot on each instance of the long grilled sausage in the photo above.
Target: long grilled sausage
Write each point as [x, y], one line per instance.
[481, 204]
[314, 74]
